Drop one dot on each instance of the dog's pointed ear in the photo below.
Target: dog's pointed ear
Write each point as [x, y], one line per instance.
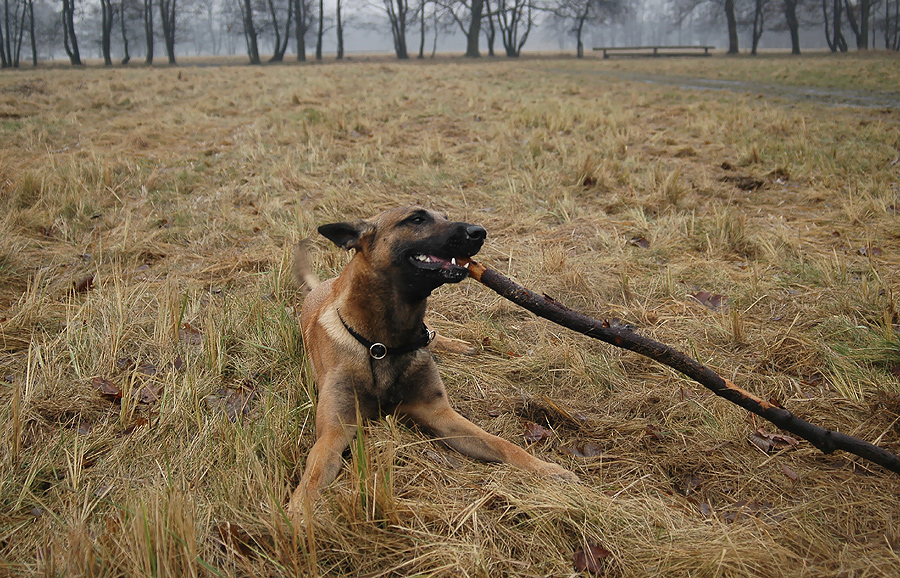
[345, 235]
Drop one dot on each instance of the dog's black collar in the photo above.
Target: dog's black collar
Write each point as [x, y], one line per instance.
[380, 350]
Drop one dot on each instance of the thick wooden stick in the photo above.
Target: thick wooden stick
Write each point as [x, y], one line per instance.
[826, 440]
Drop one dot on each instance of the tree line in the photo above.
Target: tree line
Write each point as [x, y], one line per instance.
[862, 19]
[37, 28]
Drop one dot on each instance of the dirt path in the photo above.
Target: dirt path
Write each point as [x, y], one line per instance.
[826, 96]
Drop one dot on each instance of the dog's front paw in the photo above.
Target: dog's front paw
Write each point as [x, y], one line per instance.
[302, 506]
[558, 472]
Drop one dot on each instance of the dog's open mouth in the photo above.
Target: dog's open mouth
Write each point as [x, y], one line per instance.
[446, 266]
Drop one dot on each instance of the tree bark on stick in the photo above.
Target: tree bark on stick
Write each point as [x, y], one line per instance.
[826, 440]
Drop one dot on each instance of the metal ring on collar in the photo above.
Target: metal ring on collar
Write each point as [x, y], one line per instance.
[431, 334]
[378, 350]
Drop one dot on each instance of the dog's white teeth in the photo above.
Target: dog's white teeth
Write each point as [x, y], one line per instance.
[453, 260]
[423, 258]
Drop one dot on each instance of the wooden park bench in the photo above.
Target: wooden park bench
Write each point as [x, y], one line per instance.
[656, 50]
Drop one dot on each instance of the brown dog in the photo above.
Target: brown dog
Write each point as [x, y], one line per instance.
[364, 332]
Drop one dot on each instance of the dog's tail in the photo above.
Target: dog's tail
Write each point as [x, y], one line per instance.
[303, 273]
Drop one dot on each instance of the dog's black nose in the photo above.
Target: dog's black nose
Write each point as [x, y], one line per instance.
[476, 233]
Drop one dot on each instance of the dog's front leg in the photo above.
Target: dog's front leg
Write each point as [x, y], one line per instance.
[467, 438]
[334, 432]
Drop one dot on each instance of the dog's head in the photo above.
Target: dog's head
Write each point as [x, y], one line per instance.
[414, 247]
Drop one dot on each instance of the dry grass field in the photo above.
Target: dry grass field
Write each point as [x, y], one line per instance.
[155, 411]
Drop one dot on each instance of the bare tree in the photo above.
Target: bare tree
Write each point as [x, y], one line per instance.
[421, 12]
[515, 19]
[834, 37]
[303, 19]
[148, 30]
[339, 28]
[31, 33]
[490, 33]
[793, 24]
[107, 21]
[398, 13]
[320, 30]
[12, 31]
[468, 15]
[70, 39]
[760, 11]
[858, 16]
[123, 19]
[251, 36]
[281, 42]
[581, 12]
[167, 10]
[713, 11]
[892, 25]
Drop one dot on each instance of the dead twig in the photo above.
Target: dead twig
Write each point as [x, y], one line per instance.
[826, 440]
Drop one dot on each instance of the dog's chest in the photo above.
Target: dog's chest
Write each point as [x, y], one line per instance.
[391, 381]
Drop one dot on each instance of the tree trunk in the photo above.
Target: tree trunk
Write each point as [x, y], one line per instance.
[434, 41]
[281, 42]
[859, 27]
[491, 32]
[321, 31]
[790, 15]
[339, 24]
[839, 41]
[579, 28]
[107, 20]
[732, 27]
[398, 11]
[758, 25]
[20, 32]
[5, 38]
[148, 29]
[301, 21]
[250, 34]
[34, 54]
[70, 40]
[474, 32]
[422, 30]
[167, 14]
[4, 61]
[127, 56]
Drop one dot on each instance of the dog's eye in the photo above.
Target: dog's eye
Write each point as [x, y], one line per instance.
[417, 219]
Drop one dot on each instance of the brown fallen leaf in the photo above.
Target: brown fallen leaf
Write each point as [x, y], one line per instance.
[870, 251]
[190, 334]
[138, 422]
[789, 473]
[590, 559]
[743, 182]
[710, 300]
[639, 241]
[778, 441]
[588, 450]
[106, 387]
[235, 403]
[149, 392]
[83, 285]
[760, 442]
[535, 432]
